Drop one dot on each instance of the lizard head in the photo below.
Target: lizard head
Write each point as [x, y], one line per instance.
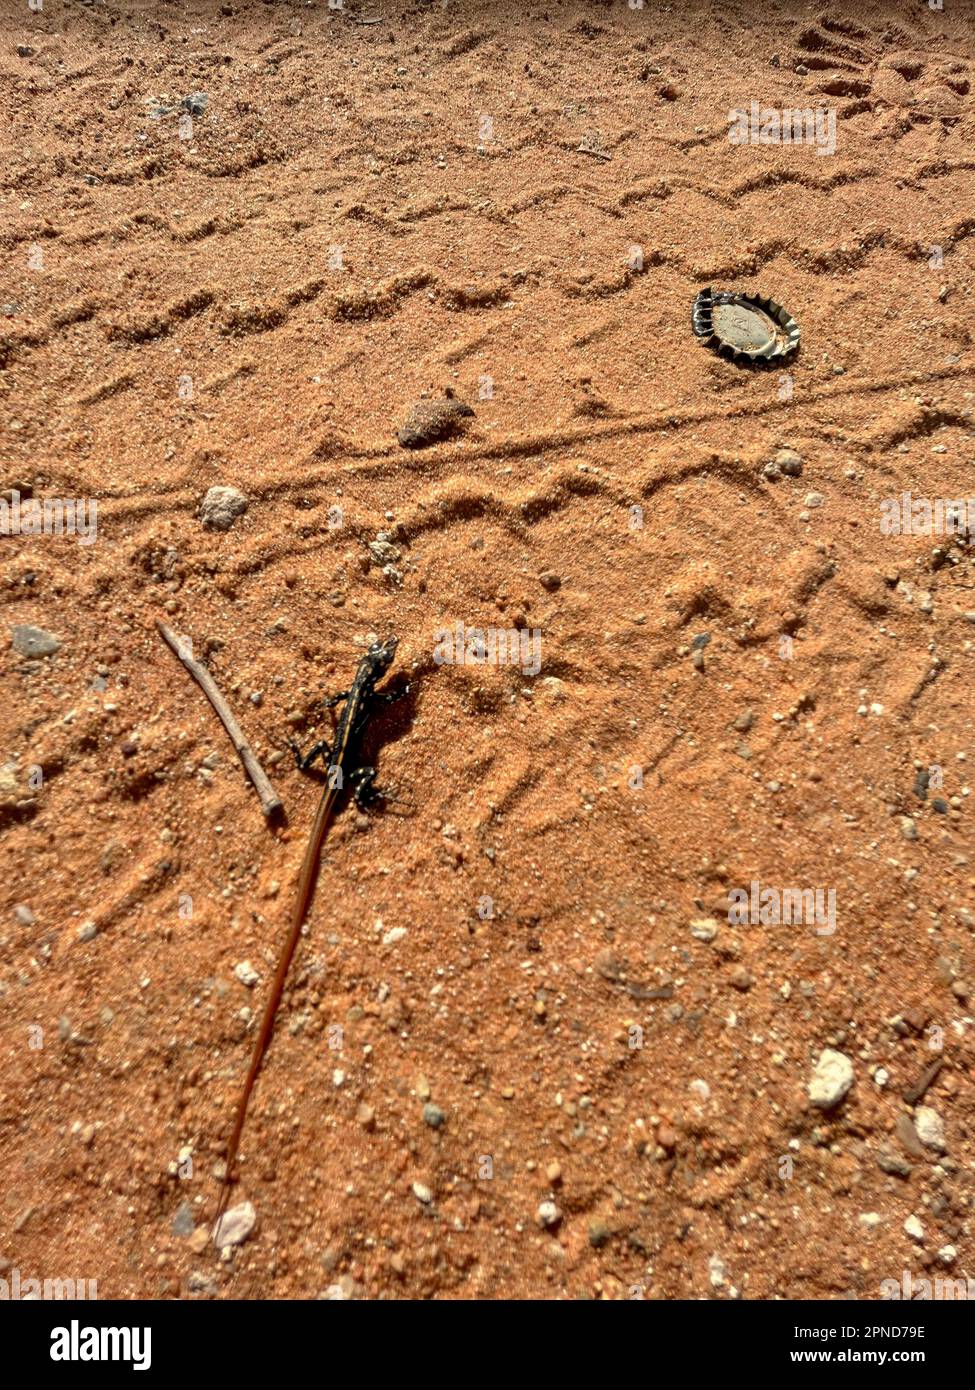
[382, 654]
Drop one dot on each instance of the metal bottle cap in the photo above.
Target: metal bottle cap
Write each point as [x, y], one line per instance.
[744, 327]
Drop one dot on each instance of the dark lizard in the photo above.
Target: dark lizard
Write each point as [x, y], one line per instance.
[343, 773]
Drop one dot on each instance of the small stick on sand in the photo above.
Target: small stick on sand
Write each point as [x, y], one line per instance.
[270, 801]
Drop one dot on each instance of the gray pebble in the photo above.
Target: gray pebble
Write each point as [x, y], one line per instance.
[221, 507]
[34, 641]
[889, 1162]
[183, 1223]
[433, 1116]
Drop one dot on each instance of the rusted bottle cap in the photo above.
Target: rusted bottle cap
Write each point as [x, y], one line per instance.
[744, 327]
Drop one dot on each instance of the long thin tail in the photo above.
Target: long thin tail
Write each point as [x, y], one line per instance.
[306, 887]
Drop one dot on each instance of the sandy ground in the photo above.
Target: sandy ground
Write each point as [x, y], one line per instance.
[362, 213]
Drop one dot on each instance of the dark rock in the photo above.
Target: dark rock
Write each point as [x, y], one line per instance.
[430, 421]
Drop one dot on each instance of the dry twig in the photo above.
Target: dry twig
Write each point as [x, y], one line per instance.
[270, 801]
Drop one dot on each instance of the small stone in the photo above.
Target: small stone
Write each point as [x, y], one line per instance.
[906, 1135]
[246, 974]
[433, 420]
[930, 1128]
[548, 1215]
[394, 934]
[366, 1116]
[433, 1116]
[599, 1234]
[553, 687]
[23, 915]
[908, 828]
[744, 721]
[790, 463]
[889, 1162]
[221, 507]
[704, 928]
[87, 931]
[341, 1292]
[199, 1240]
[740, 979]
[831, 1079]
[914, 1228]
[947, 1255]
[870, 1219]
[666, 1138]
[422, 1193]
[813, 499]
[553, 1173]
[550, 581]
[34, 641]
[183, 1223]
[235, 1225]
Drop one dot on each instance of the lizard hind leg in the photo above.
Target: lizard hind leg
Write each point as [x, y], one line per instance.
[363, 783]
[368, 796]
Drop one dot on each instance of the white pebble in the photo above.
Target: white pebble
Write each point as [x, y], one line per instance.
[914, 1228]
[235, 1225]
[930, 1128]
[831, 1079]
